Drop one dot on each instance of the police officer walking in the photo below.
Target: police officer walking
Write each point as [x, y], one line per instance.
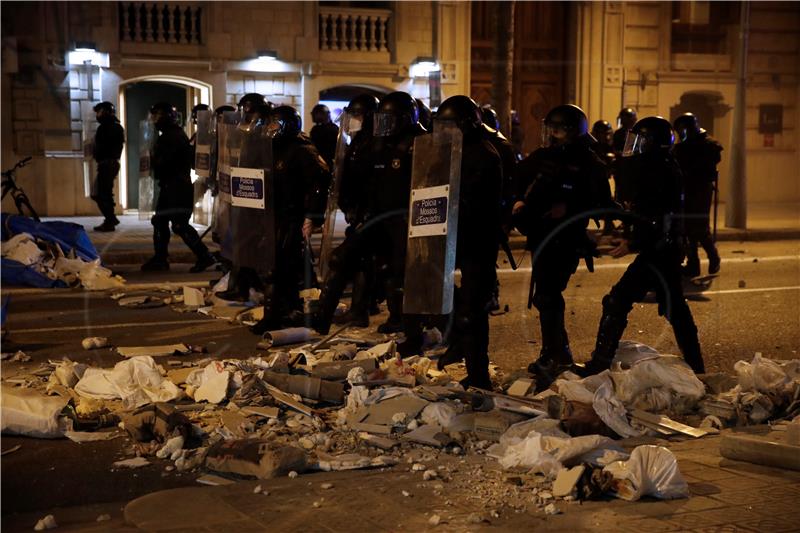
[557, 187]
[301, 178]
[603, 135]
[324, 133]
[479, 229]
[384, 231]
[108, 141]
[171, 163]
[698, 156]
[622, 178]
[655, 221]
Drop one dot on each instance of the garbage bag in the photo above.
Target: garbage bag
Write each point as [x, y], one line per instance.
[68, 235]
[27, 412]
[91, 274]
[682, 389]
[612, 412]
[14, 273]
[136, 381]
[650, 471]
[761, 375]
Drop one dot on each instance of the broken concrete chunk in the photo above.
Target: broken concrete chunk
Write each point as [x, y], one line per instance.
[381, 413]
[136, 462]
[48, 522]
[214, 481]
[92, 343]
[430, 435]
[520, 387]
[340, 369]
[266, 412]
[258, 458]
[352, 461]
[566, 480]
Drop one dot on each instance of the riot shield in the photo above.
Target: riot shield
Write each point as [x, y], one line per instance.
[226, 139]
[147, 185]
[328, 226]
[87, 141]
[251, 191]
[433, 221]
[204, 140]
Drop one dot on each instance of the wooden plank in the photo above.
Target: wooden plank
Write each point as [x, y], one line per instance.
[668, 423]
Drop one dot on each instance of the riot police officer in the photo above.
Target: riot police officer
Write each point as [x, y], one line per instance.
[171, 163]
[252, 107]
[556, 189]
[479, 229]
[106, 151]
[353, 201]
[655, 222]
[383, 232]
[625, 121]
[698, 156]
[301, 178]
[324, 133]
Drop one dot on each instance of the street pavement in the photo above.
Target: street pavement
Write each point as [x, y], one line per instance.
[754, 306]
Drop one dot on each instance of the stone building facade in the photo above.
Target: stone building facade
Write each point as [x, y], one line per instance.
[659, 57]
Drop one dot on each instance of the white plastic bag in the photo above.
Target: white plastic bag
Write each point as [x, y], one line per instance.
[26, 412]
[439, 413]
[136, 381]
[611, 411]
[23, 249]
[762, 375]
[667, 372]
[650, 471]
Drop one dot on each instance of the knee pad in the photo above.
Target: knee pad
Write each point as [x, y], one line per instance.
[613, 306]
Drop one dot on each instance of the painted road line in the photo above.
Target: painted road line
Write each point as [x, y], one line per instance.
[624, 264]
[122, 325]
[754, 289]
[174, 285]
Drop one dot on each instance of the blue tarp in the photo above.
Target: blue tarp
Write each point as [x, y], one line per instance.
[68, 235]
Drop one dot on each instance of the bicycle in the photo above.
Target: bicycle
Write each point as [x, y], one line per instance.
[17, 194]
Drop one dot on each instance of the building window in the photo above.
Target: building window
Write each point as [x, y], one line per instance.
[702, 27]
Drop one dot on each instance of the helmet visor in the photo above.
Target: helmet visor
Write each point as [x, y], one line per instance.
[274, 127]
[634, 144]
[384, 124]
[554, 133]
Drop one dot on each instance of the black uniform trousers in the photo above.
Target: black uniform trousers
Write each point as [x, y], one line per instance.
[174, 207]
[659, 272]
[550, 274]
[104, 189]
[698, 230]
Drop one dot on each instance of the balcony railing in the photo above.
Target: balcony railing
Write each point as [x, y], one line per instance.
[354, 30]
[162, 23]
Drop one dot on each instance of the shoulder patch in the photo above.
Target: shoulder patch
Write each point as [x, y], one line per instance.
[396, 163]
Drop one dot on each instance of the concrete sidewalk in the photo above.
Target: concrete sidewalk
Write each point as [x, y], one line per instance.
[726, 496]
[132, 243]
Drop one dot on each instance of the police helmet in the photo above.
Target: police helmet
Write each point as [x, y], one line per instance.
[687, 126]
[489, 117]
[626, 117]
[108, 107]
[360, 113]
[164, 113]
[249, 103]
[284, 121]
[397, 113]
[463, 111]
[564, 124]
[650, 134]
[196, 109]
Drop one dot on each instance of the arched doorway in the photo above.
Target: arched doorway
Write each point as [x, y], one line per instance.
[336, 98]
[136, 95]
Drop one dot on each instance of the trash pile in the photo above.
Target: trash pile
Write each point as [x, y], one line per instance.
[51, 254]
[348, 401]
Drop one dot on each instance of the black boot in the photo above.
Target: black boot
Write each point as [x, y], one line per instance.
[357, 316]
[156, 264]
[237, 290]
[159, 261]
[608, 336]
[272, 316]
[394, 301]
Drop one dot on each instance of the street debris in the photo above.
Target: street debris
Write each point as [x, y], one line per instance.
[48, 522]
[349, 401]
[92, 343]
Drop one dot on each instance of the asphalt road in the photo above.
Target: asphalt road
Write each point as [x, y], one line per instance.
[754, 306]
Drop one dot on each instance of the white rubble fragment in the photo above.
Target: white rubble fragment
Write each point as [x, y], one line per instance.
[136, 462]
[406, 494]
[175, 444]
[551, 509]
[103, 518]
[292, 474]
[48, 522]
[418, 467]
[257, 489]
[429, 475]
[434, 520]
[326, 486]
[92, 343]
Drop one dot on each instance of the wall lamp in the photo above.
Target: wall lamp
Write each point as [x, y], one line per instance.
[422, 67]
[85, 52]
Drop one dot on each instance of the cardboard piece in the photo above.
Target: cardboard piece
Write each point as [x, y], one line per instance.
[379, 442]
[193, 297]
[178, 375]
[566, 480]
[490, 425]
[289, 401]
[153, 351]
[214, 481]
[255, 457]
[381, 413]
[521, 387]
[668, 423]
[430, 435]
[307, 387]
